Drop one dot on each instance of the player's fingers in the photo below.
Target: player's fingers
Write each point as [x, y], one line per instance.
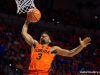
[88, 43]
[87, 39]
[79, 38]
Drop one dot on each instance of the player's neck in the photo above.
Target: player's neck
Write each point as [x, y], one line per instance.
[44, 45]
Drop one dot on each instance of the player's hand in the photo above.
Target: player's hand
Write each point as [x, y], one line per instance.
[27, 22]
[85, 42]
[32, 9]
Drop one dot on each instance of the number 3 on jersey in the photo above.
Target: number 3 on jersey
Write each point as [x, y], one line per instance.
[39, 56]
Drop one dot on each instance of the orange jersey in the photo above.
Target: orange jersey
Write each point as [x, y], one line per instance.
[41, 58]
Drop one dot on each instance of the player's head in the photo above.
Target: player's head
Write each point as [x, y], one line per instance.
[45, 38]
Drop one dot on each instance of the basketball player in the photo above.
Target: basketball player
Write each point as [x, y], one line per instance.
[42, 54]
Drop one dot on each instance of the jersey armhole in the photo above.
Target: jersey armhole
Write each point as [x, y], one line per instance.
[32, 48]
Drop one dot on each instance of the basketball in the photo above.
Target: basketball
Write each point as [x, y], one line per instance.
[33, 15]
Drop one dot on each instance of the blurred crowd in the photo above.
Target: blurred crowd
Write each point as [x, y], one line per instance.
[15, 53]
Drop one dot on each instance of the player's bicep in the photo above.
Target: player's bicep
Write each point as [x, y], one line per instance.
[29, 40]
[62, 52]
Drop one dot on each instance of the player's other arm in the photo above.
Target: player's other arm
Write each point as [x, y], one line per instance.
[28, 38]
[73, 52]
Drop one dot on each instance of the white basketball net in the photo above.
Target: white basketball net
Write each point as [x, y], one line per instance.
[24, 5]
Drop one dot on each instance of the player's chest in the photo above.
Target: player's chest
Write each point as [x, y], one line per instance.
[41, 53]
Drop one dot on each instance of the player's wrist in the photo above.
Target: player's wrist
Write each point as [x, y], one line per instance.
[82, 46]
[27, 22]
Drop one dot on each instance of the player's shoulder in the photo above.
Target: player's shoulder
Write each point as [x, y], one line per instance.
[55, 47]
[38, 45]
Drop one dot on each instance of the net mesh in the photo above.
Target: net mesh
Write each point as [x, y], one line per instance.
[24, 5]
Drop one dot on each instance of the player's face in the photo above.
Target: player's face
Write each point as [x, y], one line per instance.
[45, 38]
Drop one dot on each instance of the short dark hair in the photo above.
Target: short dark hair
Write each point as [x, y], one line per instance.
[45, 32]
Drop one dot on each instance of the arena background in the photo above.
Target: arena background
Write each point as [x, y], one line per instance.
[66, 20]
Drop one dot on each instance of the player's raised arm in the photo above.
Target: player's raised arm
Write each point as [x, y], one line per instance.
[70, 53]
[28, 38]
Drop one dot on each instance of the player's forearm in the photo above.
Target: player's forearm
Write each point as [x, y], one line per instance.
[68, 53]
[76, 50]
[25, 28]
